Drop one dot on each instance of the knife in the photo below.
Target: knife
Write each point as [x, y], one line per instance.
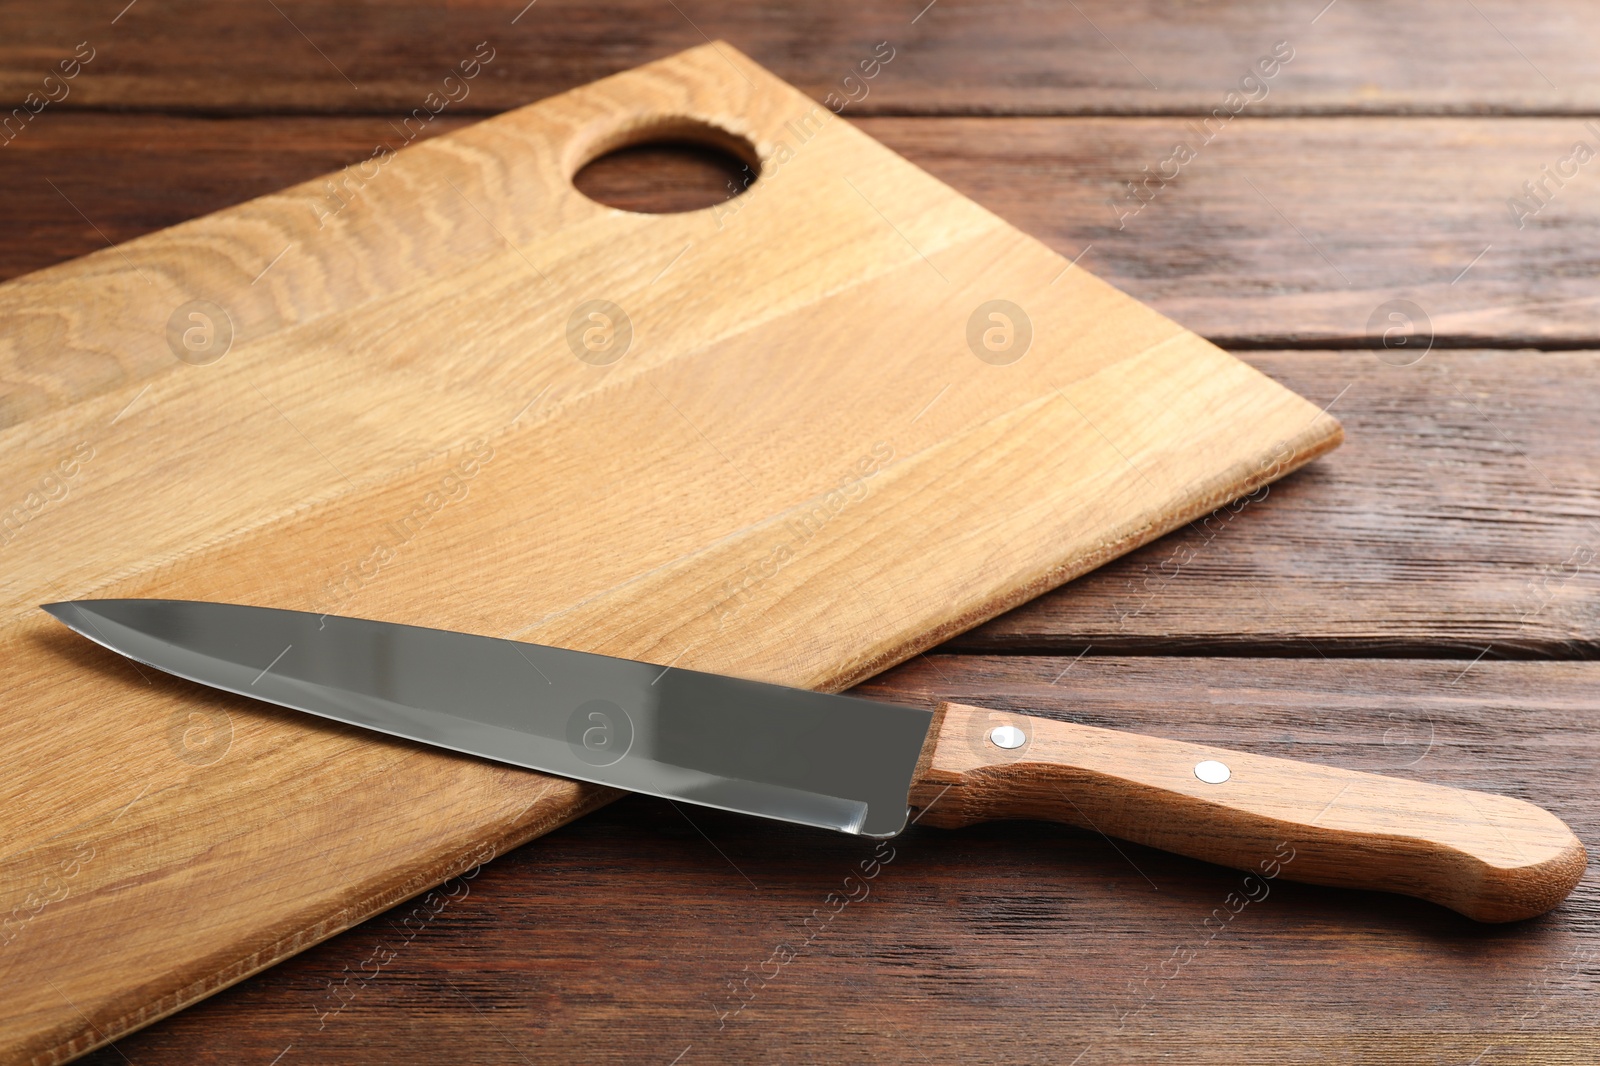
[854, 765]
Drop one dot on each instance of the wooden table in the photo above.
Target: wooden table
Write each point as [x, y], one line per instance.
[1423, 602]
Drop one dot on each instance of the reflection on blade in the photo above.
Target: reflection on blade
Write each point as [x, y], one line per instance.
[790, 754]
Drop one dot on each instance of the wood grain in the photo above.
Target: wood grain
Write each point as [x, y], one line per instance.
[1234, 249]
[1293, 232]
[171, 169]
[1493, 858]
[625, 936]
[1461, 518]
[1090, 57]
[407, 425]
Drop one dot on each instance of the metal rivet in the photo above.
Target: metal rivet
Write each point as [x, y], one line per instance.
[1007, 736]
[1212, 772]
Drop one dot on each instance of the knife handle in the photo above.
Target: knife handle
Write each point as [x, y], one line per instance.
[1493, 858]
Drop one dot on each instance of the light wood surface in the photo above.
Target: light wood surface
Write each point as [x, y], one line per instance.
[800, 471]
[1493, 858]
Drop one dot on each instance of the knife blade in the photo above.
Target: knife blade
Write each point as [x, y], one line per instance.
[853, 765]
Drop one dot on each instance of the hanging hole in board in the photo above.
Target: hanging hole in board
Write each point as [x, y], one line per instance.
[666, 166]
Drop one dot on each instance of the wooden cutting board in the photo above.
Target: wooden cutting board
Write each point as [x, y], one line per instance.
[799, 437]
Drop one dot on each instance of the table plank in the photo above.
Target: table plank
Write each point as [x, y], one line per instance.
[1295, 231]
[1093, 57]
[1285, 232]
[1460, 517]
[617, 939]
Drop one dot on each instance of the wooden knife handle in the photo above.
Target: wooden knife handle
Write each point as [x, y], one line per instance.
[1493, 858]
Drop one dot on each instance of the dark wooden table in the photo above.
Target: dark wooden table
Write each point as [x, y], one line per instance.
[1424, 602]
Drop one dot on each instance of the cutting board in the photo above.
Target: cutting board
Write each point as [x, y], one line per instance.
[800, 436]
